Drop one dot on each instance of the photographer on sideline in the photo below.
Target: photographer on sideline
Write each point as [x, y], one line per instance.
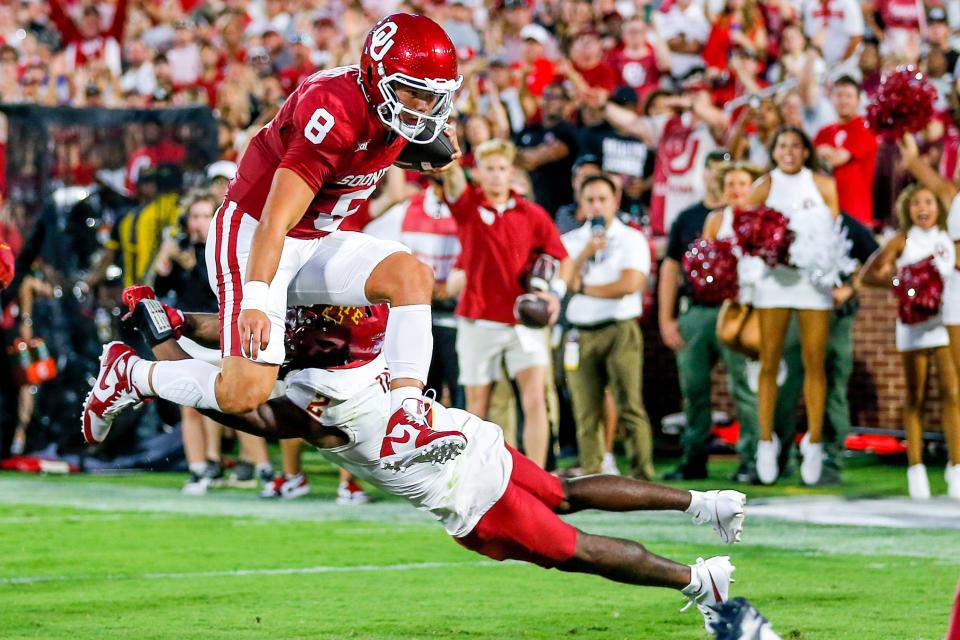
[613, 264]
[181, 269]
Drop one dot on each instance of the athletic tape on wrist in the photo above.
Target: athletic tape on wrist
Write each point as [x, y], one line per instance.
[255, 295]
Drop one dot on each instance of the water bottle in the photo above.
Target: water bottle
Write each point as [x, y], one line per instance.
[571, 351]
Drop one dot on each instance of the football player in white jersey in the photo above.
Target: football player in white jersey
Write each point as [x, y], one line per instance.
[490, 498]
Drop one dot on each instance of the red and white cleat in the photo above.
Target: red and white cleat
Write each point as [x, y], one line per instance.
[351, 493]
[112, 392]
[411, 438]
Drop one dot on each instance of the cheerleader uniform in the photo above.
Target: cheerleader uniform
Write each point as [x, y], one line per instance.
[785, 287]
[749, 268]
[921, 244]
[951, 288]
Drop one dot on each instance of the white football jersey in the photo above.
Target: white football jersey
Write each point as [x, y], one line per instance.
[357, 401]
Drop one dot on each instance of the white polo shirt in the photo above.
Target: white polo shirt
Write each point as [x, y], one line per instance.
[627, 248]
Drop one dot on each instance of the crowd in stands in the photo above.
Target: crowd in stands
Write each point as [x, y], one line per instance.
[622, 114]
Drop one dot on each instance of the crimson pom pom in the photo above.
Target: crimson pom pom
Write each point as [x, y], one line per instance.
[763, 232]
[903, 104]
[711, 269]
[918, 289]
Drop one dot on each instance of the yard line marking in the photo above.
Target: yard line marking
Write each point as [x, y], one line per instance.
[85, 517]
[234, 573]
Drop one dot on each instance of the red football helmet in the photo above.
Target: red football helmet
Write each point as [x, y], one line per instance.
[411, 52]
[327, 336]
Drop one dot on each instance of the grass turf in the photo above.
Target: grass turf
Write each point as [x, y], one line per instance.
[127, 557]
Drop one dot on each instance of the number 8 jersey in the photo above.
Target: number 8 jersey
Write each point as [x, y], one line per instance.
[327, 133]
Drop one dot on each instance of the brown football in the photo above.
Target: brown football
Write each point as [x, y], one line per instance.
[531, 311]
[426, 157]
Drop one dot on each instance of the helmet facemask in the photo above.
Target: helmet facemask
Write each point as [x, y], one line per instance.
[392, 110]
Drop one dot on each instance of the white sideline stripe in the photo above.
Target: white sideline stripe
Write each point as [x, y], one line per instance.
[238, 573]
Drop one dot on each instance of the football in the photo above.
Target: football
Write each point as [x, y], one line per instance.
[531, 310]
[426, 157]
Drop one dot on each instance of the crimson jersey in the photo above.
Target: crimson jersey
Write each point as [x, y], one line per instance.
[497, 243]
[327, 133]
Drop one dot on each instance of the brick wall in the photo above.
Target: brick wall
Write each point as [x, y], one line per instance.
[876, 386]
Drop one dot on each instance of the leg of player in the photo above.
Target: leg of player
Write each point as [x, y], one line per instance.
[407, 284]
[723, 510]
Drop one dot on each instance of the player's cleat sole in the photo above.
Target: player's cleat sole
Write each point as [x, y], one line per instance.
[439, 451]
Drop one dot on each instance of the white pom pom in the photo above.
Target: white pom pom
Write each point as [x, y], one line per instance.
[820, 248]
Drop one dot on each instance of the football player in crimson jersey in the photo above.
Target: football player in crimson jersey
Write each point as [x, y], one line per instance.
[491, 499]
[318, 160]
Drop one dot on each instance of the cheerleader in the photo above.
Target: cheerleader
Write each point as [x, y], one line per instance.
[736, 184]
[923, 223]
[804, 197]
[949, 194]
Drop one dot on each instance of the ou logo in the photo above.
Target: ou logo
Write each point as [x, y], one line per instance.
[382, 40]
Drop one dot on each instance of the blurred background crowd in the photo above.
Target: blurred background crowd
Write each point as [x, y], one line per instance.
[123, 121]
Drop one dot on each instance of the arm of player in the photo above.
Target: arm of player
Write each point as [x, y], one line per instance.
[286, 203]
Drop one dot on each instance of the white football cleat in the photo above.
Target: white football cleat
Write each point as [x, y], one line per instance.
[709, 586]
[917, 483]
[768, 467]
[812, 465]
[952, 474]
[723, 510]
[112, 392]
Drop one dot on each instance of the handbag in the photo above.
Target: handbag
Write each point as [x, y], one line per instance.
[738, 328]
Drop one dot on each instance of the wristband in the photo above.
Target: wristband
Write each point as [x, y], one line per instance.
[255, 295]
[558, 288]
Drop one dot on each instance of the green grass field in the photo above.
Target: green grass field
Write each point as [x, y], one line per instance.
[129, 557]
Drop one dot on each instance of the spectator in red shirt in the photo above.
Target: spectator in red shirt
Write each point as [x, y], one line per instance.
[500, 234]
[87, 41]
[538, 69]
[301, 68]
[850, 148]
[740, 26]
[586, 53]
[643, 58]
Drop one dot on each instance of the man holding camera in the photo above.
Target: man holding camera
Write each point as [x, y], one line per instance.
[500, 235]
[612, 263]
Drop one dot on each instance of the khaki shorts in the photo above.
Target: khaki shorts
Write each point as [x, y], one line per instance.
[482, 348]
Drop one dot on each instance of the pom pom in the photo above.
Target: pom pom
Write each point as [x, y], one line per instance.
[711, 269]
[903, 104]
[918, 289]
[820, 248]
[763, 232]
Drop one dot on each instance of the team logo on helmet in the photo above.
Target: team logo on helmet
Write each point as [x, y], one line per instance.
[408, 72]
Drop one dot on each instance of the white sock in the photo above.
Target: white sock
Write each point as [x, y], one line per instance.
[263, 467]
[408, 347]
[198, 468]
[189, 383]
[696, 501]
